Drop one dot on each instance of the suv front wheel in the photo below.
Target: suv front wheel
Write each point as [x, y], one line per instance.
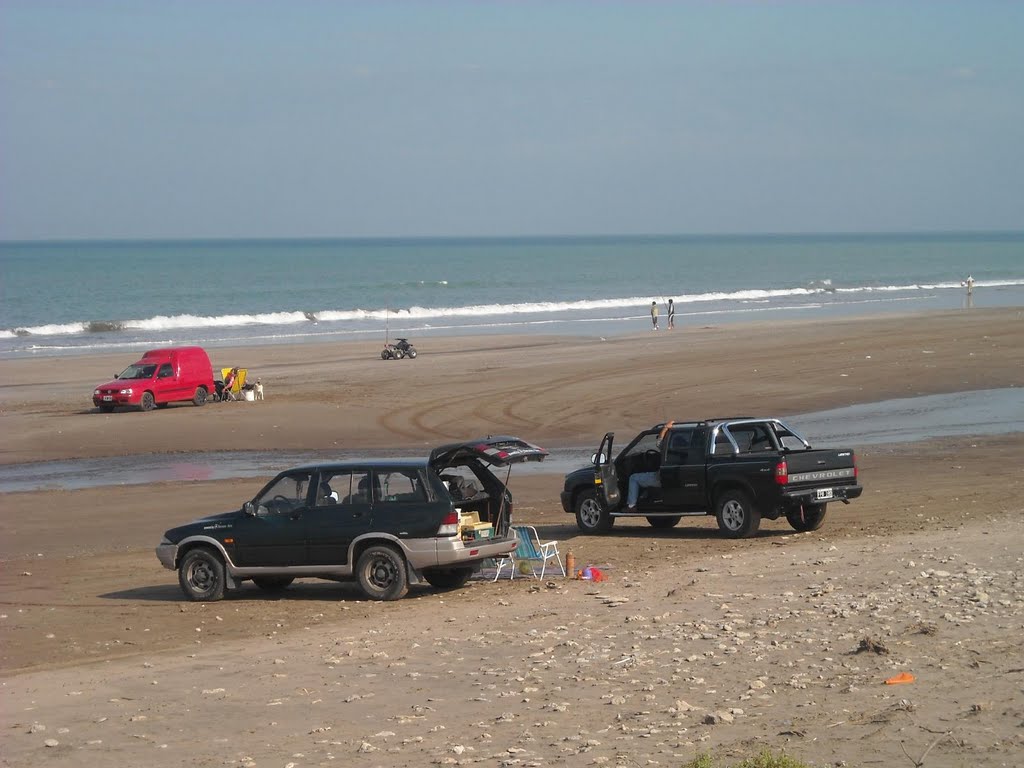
[201, 576]
[381, 573]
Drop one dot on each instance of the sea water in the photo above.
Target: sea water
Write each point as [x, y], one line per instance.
[76, 297]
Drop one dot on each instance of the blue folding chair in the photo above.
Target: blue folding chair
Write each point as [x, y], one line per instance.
[529, 549]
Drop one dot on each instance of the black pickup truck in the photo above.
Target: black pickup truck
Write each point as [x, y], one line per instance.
[740, 470]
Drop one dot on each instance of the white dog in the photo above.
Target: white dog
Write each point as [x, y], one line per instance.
[259, 390]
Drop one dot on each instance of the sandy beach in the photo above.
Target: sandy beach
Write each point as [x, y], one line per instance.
[695, 643]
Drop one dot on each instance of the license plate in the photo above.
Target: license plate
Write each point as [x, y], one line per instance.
[823, 493]
[107, 398]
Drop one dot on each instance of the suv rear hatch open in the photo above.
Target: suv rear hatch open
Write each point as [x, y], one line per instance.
[497, 451]
[467, 467]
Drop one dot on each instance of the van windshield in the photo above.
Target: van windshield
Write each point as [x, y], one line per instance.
[138, 371]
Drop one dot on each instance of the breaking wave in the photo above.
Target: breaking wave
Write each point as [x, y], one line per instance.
[290, 318]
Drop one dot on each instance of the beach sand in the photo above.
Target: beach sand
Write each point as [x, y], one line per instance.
[695, 643]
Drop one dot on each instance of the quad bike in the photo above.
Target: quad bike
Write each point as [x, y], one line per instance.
[401, 348]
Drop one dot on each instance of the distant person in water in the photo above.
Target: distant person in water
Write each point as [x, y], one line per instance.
[969, 284]
[671, 314]
[654, 314]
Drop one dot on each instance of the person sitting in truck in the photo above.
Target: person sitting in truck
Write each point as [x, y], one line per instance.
[649, 479]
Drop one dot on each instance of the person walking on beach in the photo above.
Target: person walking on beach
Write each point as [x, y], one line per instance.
[654, 314]
[671, 314]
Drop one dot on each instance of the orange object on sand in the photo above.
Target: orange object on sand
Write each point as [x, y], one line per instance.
[902, 677]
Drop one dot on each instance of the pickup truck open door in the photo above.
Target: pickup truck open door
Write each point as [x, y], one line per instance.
[605, 477]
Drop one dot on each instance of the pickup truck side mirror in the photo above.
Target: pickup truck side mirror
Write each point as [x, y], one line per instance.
[249, 508]
[598, 458]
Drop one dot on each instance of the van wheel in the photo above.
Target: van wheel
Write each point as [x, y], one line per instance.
[737, 516]
[201, 576]
[199, 398]
[591, 516]
[381, 572]
[811, 520]
[148, 402]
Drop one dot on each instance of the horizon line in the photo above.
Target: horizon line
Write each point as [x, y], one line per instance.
[498, 238]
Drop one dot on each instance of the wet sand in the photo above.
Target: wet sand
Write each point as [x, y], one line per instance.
[99, 648]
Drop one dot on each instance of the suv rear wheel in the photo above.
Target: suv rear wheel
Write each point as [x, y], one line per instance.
[447, 578]
[201, 576]
[272, 583]
[381, 573]
[591, 516]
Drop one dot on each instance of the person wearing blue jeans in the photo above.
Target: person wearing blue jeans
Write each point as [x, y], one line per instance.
[640, 480]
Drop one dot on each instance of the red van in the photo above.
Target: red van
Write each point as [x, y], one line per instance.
[162, 376]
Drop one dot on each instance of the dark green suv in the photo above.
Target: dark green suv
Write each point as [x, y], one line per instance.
[385, 523]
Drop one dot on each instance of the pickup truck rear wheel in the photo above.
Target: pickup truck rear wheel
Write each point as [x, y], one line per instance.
[591, 516]
[201, 576]
[664, 522]
[737, 516]
[811, 520]
[381, 572]
[447, 578]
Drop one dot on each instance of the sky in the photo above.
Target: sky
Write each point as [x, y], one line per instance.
[267, 118]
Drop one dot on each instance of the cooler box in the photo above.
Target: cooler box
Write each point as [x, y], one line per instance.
[478, 531]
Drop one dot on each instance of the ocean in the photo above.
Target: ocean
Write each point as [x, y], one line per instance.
[78, 297]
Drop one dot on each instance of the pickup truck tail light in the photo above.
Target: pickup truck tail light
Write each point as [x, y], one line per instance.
[854, 457]
[782, 473]
[450, 525]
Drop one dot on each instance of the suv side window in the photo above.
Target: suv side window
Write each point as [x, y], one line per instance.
[402, 487]
[286, 495]
[356, 487]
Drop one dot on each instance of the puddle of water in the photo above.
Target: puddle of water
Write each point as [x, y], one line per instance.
[982, 412]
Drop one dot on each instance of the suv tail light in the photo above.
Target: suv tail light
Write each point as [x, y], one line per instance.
[782, 473]
[450, 525]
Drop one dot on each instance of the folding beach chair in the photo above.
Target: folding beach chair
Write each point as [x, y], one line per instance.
[530, 550]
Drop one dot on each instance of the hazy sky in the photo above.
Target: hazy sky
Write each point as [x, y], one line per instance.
[232, 118]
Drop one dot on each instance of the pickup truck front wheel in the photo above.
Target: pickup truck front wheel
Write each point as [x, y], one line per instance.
[737, 516]
[810, 519]
[591, 516]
